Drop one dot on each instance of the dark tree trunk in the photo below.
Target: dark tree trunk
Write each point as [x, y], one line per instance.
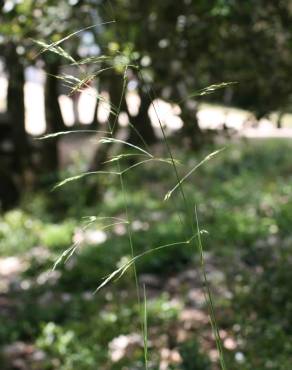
[54, 119]
[279, 120]
[191, 129]
[115, 91]
[16, 110]
[102, 153]
[94, 125]
[141, 123]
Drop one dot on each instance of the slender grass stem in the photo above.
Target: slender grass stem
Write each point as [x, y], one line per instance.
[208, 295]
[124, 192]
[145, 329]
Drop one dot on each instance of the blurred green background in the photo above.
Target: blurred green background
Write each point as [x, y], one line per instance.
[192, 76]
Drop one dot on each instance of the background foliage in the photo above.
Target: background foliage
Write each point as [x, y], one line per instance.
[159, 50]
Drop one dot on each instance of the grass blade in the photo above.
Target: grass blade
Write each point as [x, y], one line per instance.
[145, 329]
[208, 296]
[81, 176]
[106, 140]
[47, 47]
[62, 133]
[207, 158]
[122, 269]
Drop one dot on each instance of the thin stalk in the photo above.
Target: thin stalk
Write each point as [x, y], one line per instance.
[145, 330]
[208, 296]
[129, 230]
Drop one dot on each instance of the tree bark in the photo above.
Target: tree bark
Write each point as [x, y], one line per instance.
[94, 125]
[115, 91]
[279, 120]
[54, 119]
[191, 129]
[142, 126]
[16, 109]
[102, 152]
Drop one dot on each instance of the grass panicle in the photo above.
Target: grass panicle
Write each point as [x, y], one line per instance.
[192, 228]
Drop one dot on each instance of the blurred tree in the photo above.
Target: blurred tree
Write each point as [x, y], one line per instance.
[20, 22]
[253, 45]
[179, 47]
[182, 47]
[15, 108]
[17, 160]
[171, 43]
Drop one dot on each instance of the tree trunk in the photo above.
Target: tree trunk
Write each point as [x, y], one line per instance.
[54, 119]
[191, 129]
[279, 120]
[94, 125]
[102, 153]
[16, 110]
[115, 91]
[141, 123]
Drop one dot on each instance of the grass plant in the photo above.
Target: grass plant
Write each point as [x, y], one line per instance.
[193, 232]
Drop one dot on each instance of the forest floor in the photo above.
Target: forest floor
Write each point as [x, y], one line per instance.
[50, 320]
[193, 316]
